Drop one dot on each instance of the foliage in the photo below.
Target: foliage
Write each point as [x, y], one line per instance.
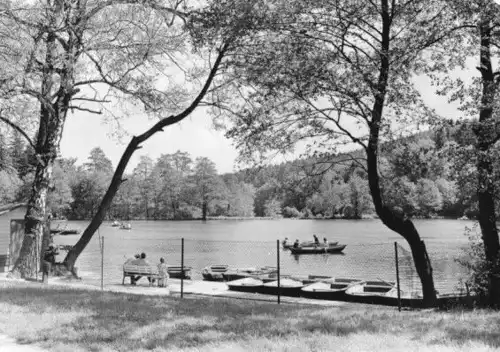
[9, 186]
[291, 212]
[478, 267]
[60, 196]
[272, 208]
[341, 191]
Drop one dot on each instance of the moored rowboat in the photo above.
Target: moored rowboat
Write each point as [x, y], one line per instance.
[177, 272]
[310, 279]
[287, 287]
[370, 291]
[334, 290]
[245, 285]
[214, 272]
[266, 273]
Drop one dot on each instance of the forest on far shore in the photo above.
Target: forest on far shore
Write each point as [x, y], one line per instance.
[427, 175]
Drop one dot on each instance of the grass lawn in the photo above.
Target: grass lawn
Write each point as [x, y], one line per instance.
[66, 319]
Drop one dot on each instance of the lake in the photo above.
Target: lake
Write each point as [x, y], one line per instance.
[252, 243]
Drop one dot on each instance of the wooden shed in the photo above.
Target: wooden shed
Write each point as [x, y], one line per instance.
[11, 224]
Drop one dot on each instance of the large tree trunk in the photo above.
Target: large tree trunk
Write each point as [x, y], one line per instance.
[403, 226]
[486, 136]
[52, 118]
[35, 220]
[204, 210]
[396, 222]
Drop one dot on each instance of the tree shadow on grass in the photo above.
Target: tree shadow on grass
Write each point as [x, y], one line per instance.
[129, 322]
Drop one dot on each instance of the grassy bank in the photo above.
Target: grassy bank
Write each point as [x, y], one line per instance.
[65, 319]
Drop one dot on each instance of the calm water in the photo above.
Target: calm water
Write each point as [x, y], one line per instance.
[252, 243]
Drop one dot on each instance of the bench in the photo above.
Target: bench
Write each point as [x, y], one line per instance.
[130, 270]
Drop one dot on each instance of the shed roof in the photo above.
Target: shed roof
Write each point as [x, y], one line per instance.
[7, 208]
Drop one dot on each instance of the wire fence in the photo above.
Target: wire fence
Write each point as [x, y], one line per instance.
[102, 264]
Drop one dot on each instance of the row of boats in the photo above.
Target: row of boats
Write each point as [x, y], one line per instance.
[265, 281]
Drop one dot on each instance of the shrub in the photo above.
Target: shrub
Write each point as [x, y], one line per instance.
[307, 213]
[479, 269]
[188, 212]
[291, 212]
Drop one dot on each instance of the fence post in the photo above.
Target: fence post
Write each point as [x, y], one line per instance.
[278, 267]
[102, 263]
[397, 274]
[182, 267]
[36, 258]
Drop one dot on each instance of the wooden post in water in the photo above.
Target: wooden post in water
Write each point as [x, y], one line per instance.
[102, 263]
[397, 275]
[182, 267]
[278, 267]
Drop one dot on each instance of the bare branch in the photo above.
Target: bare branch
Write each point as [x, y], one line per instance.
[151, 3]
[18, 129]
[97, 112]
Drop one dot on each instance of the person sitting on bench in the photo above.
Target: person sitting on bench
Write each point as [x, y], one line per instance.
[130, 260]
[140, 262]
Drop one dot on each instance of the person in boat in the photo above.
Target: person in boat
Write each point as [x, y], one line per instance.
[285, 241]
[316, 240]
[325, 242]
[296, 244]
[162, 273]
[140, 262]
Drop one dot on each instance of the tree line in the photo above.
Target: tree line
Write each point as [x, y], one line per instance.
[421, 178]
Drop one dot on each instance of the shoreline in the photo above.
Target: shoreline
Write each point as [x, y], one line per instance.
[256, 218]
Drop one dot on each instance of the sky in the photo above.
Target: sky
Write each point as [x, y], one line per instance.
[195, 135]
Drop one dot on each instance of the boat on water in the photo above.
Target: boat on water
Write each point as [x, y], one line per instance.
[333, 290]
[214, 272]
[64, 230]
[266, 273]
[177, 272]
[287, 287]
[116, 223]
[125, 227]
[318, 249]
[248, 284]
[69, 232]
[288, 245]
[370, 291]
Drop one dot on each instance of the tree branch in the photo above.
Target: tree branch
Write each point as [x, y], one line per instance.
[18, 129]
[177, 118]
[73, 107]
